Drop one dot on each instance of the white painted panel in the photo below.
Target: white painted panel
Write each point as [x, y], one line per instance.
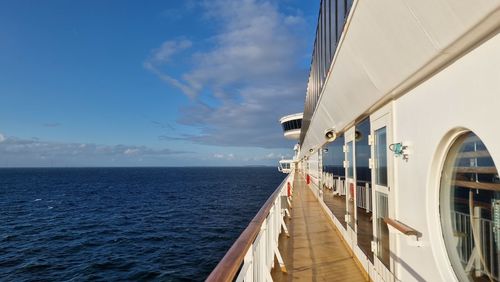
[389, 45]
[465, 95]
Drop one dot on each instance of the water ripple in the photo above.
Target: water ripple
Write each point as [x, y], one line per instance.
[140, 224]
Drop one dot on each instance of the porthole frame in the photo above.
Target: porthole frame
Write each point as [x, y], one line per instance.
[434, 222]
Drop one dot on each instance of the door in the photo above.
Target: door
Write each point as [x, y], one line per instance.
[350, 176]
[381, 164]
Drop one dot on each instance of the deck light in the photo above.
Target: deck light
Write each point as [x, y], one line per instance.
[330, 135]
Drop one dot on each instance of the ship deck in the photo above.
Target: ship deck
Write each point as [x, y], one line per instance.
[314, 251]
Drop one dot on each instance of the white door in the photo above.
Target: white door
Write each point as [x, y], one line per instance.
[381, 162]
[350, 176]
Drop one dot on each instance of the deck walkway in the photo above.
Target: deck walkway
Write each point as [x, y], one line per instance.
[314, 251]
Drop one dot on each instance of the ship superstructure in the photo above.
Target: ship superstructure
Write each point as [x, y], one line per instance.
[398, 140]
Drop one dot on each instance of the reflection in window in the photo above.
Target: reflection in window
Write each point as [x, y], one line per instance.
[383, 251]
[340, 17]
[334, 156]
[363, 172]
[349, 158]
[333, 28]
[470, 210]
[381, 156]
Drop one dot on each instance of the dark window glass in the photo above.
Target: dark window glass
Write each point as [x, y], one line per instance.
[326, 44]
[333, 26]
[320, 46]
[333, 158]
[363, 172]
[349, 6]
[340, 17]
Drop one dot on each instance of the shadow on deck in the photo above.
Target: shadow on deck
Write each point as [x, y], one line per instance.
[314, 251]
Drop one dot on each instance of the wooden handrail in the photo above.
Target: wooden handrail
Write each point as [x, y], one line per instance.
[401, 227]
[228, 267]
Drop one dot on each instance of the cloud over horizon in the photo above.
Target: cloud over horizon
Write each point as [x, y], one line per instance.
[34, 152]
[247, 80]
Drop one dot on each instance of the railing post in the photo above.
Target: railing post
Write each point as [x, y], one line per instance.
[368, 196]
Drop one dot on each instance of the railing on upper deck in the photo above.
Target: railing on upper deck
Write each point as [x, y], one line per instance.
[251, 257]
[331, 21]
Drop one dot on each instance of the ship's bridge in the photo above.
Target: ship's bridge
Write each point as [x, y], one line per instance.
[291, 125]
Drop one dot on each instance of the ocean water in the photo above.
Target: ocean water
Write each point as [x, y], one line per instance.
[123, 224]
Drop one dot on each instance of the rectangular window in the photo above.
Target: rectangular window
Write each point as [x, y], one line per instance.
[350, 169]
[349, 6]
[381, 157]
[333, 27]
[340, 17]
[383, 251]
[326, 8]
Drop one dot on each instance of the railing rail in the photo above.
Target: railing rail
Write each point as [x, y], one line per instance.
[363, 189]
[466, 243]
[364, 196]
[251, 256]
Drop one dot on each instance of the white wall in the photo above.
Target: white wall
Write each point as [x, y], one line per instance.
[464, 95]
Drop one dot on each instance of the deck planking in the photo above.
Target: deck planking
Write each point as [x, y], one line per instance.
[314, 251]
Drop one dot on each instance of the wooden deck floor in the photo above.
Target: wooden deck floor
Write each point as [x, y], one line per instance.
[314, 251]
[365, 230]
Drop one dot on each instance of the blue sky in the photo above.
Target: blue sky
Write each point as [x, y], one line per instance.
[151, 83]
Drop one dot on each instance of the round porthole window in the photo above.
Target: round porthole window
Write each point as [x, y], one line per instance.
[470, 210]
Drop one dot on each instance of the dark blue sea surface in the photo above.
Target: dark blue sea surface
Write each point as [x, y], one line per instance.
[122, 224]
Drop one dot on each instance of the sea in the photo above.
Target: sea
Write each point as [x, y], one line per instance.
[124, 224]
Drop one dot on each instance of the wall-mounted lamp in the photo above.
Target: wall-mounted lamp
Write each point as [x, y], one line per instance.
[400, 150]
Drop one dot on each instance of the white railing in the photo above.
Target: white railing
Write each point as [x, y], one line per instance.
[340, 186]
[486, 254]
[254, 251]
[259, 259]
[364, 196]
[336, 184]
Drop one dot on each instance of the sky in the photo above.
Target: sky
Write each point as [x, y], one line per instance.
[151, 83]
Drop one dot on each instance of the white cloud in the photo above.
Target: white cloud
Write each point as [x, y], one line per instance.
[163, 54]
[252, 71]
[2, 138]
[270, 155]
[131, 151]
[26, 152]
